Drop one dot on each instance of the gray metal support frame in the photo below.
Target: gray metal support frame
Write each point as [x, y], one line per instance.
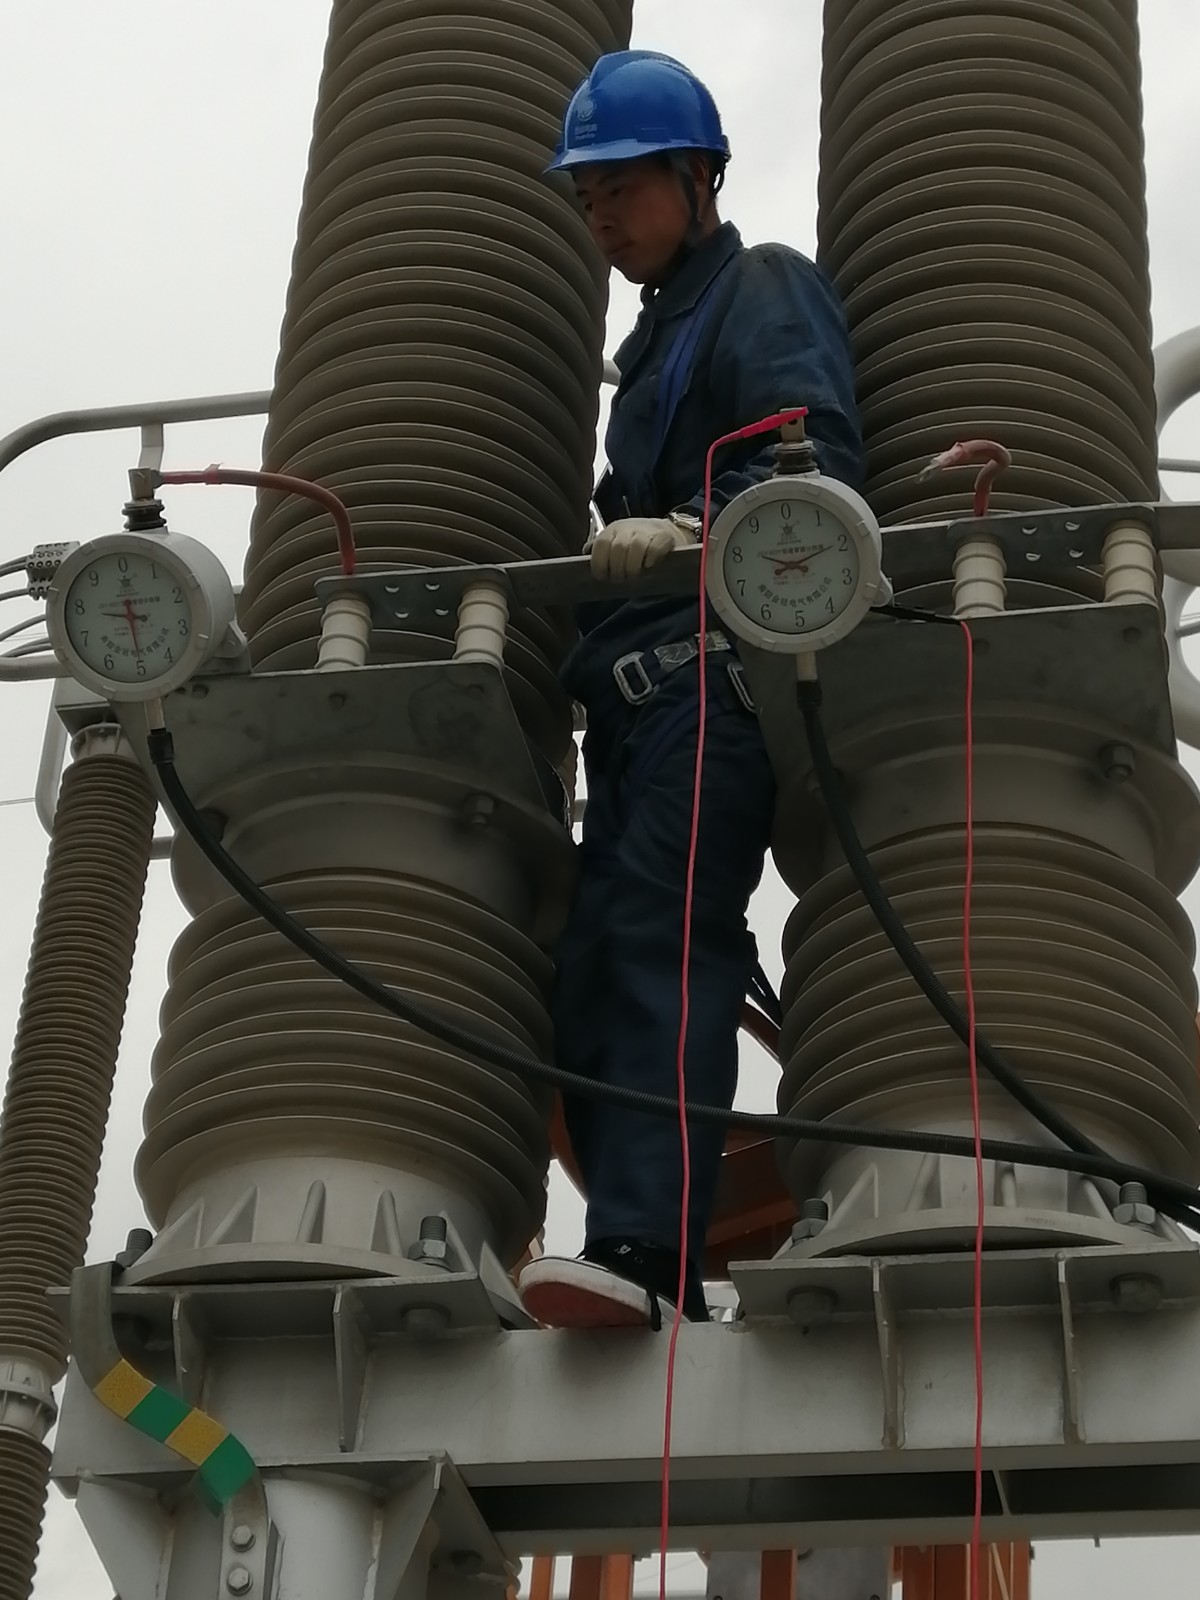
[856, 1429]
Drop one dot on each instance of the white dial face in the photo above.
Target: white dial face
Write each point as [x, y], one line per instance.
[791, 566]
[128, 616]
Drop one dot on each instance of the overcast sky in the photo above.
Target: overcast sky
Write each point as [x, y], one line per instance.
[154, 154]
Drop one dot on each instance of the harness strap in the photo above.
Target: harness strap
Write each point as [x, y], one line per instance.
[677, 368]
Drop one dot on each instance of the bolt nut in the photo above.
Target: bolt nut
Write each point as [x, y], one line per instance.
[814, 1219]
[1134, 1209]
[425, 1321]
[1138, 1292]
[432, 1252]
[812, 1308]
[137, 1242]
[466, 1563]
[433, 1245]
[239, 1580]
[242, 1537]
[1117, 762]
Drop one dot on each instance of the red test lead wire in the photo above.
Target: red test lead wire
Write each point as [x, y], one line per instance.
[766, 426]
[283, 483]
[991, 459]
[976, 1112]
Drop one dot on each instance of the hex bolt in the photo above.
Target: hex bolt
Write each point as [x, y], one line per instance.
[239, 1580]
[1134, 1209]
[1117, 762]
[811, 1308]
[814, 1219]
[432, 1246]
[137, 1242]
[242, 1537]
[1137, 1292]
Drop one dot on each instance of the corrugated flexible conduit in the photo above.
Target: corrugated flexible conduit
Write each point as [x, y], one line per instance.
[56, 1103]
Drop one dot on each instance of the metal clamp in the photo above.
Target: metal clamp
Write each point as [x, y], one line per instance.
[27, 1403]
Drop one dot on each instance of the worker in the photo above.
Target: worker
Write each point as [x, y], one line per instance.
[726, 337]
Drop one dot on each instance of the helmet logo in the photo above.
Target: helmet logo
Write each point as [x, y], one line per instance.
[584, 112]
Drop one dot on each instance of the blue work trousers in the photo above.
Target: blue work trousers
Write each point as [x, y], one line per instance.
[617, 999]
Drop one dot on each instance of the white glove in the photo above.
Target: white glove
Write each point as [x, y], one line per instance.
[635, 544]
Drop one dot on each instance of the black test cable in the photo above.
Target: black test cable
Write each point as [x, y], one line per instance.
[1173, 1197]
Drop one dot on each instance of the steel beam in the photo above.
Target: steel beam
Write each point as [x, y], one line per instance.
[1053, 539]
[856, 1430]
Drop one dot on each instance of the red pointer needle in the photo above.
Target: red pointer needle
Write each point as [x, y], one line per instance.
[131, 620]
[798, 566]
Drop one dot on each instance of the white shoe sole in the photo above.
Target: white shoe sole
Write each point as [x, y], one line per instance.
[562, 1293]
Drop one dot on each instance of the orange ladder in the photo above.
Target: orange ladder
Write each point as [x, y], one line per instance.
[940, 1572]
[944, 1572]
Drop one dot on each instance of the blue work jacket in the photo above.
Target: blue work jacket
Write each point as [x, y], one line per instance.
[735, 336]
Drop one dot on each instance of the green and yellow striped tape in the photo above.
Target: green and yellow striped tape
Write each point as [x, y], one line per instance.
[223, 1464]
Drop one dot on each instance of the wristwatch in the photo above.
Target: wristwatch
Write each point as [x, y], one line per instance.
[688, 523]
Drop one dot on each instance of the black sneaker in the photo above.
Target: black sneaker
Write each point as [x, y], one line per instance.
[616, 1283]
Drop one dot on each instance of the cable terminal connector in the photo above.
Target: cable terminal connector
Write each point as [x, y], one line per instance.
[795, 454]
[144, 510]
[43, 563]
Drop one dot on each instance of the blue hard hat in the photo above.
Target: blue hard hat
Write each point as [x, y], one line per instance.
[638, 103]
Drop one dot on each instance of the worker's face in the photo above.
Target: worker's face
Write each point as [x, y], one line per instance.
[638, 213]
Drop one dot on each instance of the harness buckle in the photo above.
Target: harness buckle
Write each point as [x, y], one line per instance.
[632, 679]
